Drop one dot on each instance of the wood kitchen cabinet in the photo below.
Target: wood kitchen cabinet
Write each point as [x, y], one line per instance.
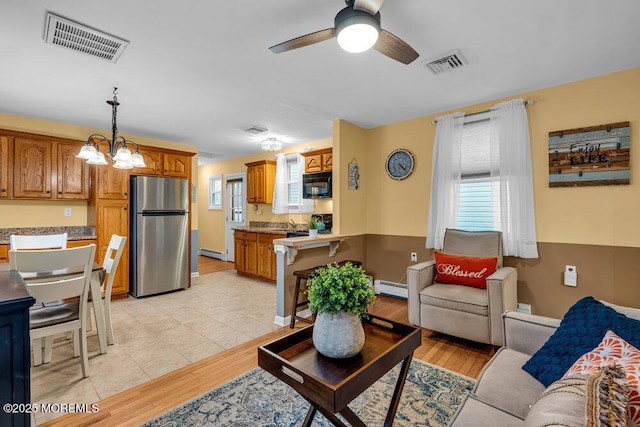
[318, 160]
[245, 252]
[176, 165]
[261, 178]
[267, 256]
[43, 168]
[5, 165]
[4, 254]
[112, 183]
[73, 180]
[112, 217]
[32, 177]
[161, 163]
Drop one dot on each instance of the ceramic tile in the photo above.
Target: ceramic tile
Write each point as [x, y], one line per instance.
[157, 335]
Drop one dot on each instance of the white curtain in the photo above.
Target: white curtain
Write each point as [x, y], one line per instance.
[281, 203]
[445, 179]
[306, 205]
[511, 164]
[280, 199]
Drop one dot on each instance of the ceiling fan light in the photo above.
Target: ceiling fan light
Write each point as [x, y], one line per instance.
[356, 30]
[358, 38]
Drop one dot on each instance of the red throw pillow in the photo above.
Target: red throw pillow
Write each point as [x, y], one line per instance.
[464, 270]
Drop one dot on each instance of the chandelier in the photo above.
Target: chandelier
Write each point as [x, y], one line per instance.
[271, 144]
[117, 149]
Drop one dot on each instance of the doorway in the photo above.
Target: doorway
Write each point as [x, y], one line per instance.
[235, 215]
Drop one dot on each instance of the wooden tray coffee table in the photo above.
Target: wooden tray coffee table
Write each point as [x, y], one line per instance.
[329, 385]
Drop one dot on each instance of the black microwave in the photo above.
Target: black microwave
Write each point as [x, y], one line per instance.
[316, 185]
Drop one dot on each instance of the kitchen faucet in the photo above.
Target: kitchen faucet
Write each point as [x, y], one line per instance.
[292, 223]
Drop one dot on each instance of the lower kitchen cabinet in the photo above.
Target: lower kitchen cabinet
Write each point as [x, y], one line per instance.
[113, 218]
[267, 256]
[245, 252]
[4, 254]
[254, 254]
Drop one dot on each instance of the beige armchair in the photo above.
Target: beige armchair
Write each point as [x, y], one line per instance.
[464, 311]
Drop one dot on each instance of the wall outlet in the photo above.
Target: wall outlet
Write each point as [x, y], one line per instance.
[414, 257]
[67, 211]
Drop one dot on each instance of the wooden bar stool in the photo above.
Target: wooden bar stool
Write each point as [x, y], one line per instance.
[301, 288]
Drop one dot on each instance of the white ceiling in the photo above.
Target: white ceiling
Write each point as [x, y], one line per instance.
[199, 72]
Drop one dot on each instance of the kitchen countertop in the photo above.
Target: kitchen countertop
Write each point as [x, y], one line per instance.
[263, 230]
[73, 232]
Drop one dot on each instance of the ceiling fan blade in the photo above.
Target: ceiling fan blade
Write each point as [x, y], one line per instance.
[302, 41]
[371, 6]
[393, 47]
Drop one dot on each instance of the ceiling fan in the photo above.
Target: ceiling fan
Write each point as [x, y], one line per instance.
[357, 28]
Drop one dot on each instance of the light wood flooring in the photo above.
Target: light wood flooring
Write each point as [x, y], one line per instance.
[155, 397]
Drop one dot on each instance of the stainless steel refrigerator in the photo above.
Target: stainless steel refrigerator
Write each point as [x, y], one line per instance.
[159, 245]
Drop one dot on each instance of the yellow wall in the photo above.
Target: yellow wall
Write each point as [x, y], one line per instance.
[36, 213]
[601, 215]
[211, 234]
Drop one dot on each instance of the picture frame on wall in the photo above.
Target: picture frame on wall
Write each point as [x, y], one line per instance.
[595, 155]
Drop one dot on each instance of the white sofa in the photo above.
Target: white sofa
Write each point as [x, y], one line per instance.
[504, 391]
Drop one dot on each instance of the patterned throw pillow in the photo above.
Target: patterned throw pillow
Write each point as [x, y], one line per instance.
[597, 400]
[614, 350]
[581, 330]
[464, 270]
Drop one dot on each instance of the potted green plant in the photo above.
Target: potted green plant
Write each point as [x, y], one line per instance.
[339, 295]
[313, 227]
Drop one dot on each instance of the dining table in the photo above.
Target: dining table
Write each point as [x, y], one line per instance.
[97, 277]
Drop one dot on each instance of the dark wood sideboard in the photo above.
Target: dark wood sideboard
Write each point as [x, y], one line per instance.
[15, 379]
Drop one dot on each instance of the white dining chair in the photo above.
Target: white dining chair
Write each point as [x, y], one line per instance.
[110, 265]
[48, 320]
[37, 242]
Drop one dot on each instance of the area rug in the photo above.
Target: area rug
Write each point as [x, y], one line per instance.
[431, 396]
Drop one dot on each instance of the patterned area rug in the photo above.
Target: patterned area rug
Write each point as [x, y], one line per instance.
[430, 397]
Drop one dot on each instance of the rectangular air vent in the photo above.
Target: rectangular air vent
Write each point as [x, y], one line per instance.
[448, 61]
[72, 35]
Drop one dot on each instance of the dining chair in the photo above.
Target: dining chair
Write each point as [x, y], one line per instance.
[48, 320]
[37, 242]
[110, 265]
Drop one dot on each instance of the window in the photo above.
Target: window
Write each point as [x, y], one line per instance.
[236, 200]
[215, 192]
[479, 204]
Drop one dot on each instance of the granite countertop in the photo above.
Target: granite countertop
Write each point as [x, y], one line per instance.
[73, 232]
[271, 227]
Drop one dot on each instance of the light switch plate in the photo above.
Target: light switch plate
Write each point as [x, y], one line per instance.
[67, 211]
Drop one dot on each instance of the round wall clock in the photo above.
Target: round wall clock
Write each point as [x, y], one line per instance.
[399, 164]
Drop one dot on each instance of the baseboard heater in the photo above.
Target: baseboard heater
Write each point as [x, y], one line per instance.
[391, 289]
[211, 253]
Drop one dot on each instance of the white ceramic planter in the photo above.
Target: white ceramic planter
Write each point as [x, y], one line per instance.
[338, 336]
[313, 233]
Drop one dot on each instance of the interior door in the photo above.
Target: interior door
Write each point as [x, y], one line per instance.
[235, 210]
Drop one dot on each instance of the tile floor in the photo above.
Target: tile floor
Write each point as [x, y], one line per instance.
[157, 335]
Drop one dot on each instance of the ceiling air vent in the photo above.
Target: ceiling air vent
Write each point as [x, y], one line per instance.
[72, 35]
[255, 130]
[448, 61]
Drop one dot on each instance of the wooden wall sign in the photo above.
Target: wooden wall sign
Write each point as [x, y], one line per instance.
[596, 155]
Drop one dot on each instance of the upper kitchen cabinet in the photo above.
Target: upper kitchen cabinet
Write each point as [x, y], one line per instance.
[5, 162]
[111, 183]
[318, 160]
[32, 177]
[42, 168]
[162, 163]
[261, 178]
[152, 160]
[177, 165]
[73, 177]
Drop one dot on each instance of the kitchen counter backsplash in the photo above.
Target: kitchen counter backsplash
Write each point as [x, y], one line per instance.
[73, 232]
